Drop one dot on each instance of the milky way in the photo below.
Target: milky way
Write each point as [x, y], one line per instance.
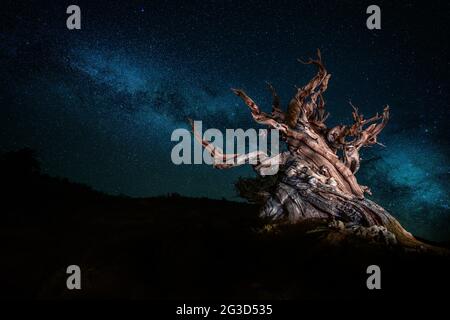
[99, 104]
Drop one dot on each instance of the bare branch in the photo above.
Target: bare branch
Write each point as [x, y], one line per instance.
[257, 114]
[276, 98]
[369, 135]
[277, 113]
[311, 110]
[364, 137]
[216, 153]
[221, 160]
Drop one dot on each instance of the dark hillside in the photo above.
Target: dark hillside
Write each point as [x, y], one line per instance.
[174, 247]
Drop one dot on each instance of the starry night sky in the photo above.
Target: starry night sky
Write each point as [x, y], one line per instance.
[99, 104]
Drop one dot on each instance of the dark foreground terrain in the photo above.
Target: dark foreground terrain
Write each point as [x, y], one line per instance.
[180, 248]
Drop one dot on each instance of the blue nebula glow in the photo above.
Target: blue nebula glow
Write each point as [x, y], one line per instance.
[416, 166]
[412, 181]
[113, 70]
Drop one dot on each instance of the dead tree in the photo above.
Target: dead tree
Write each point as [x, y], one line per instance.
[317, 174]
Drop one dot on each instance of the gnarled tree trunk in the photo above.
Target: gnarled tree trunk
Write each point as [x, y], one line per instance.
[317, 173]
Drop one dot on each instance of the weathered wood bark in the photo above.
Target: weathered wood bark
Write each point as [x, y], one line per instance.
[314, 181]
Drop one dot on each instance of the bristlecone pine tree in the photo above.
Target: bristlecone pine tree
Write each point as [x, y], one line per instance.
[317, 174]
